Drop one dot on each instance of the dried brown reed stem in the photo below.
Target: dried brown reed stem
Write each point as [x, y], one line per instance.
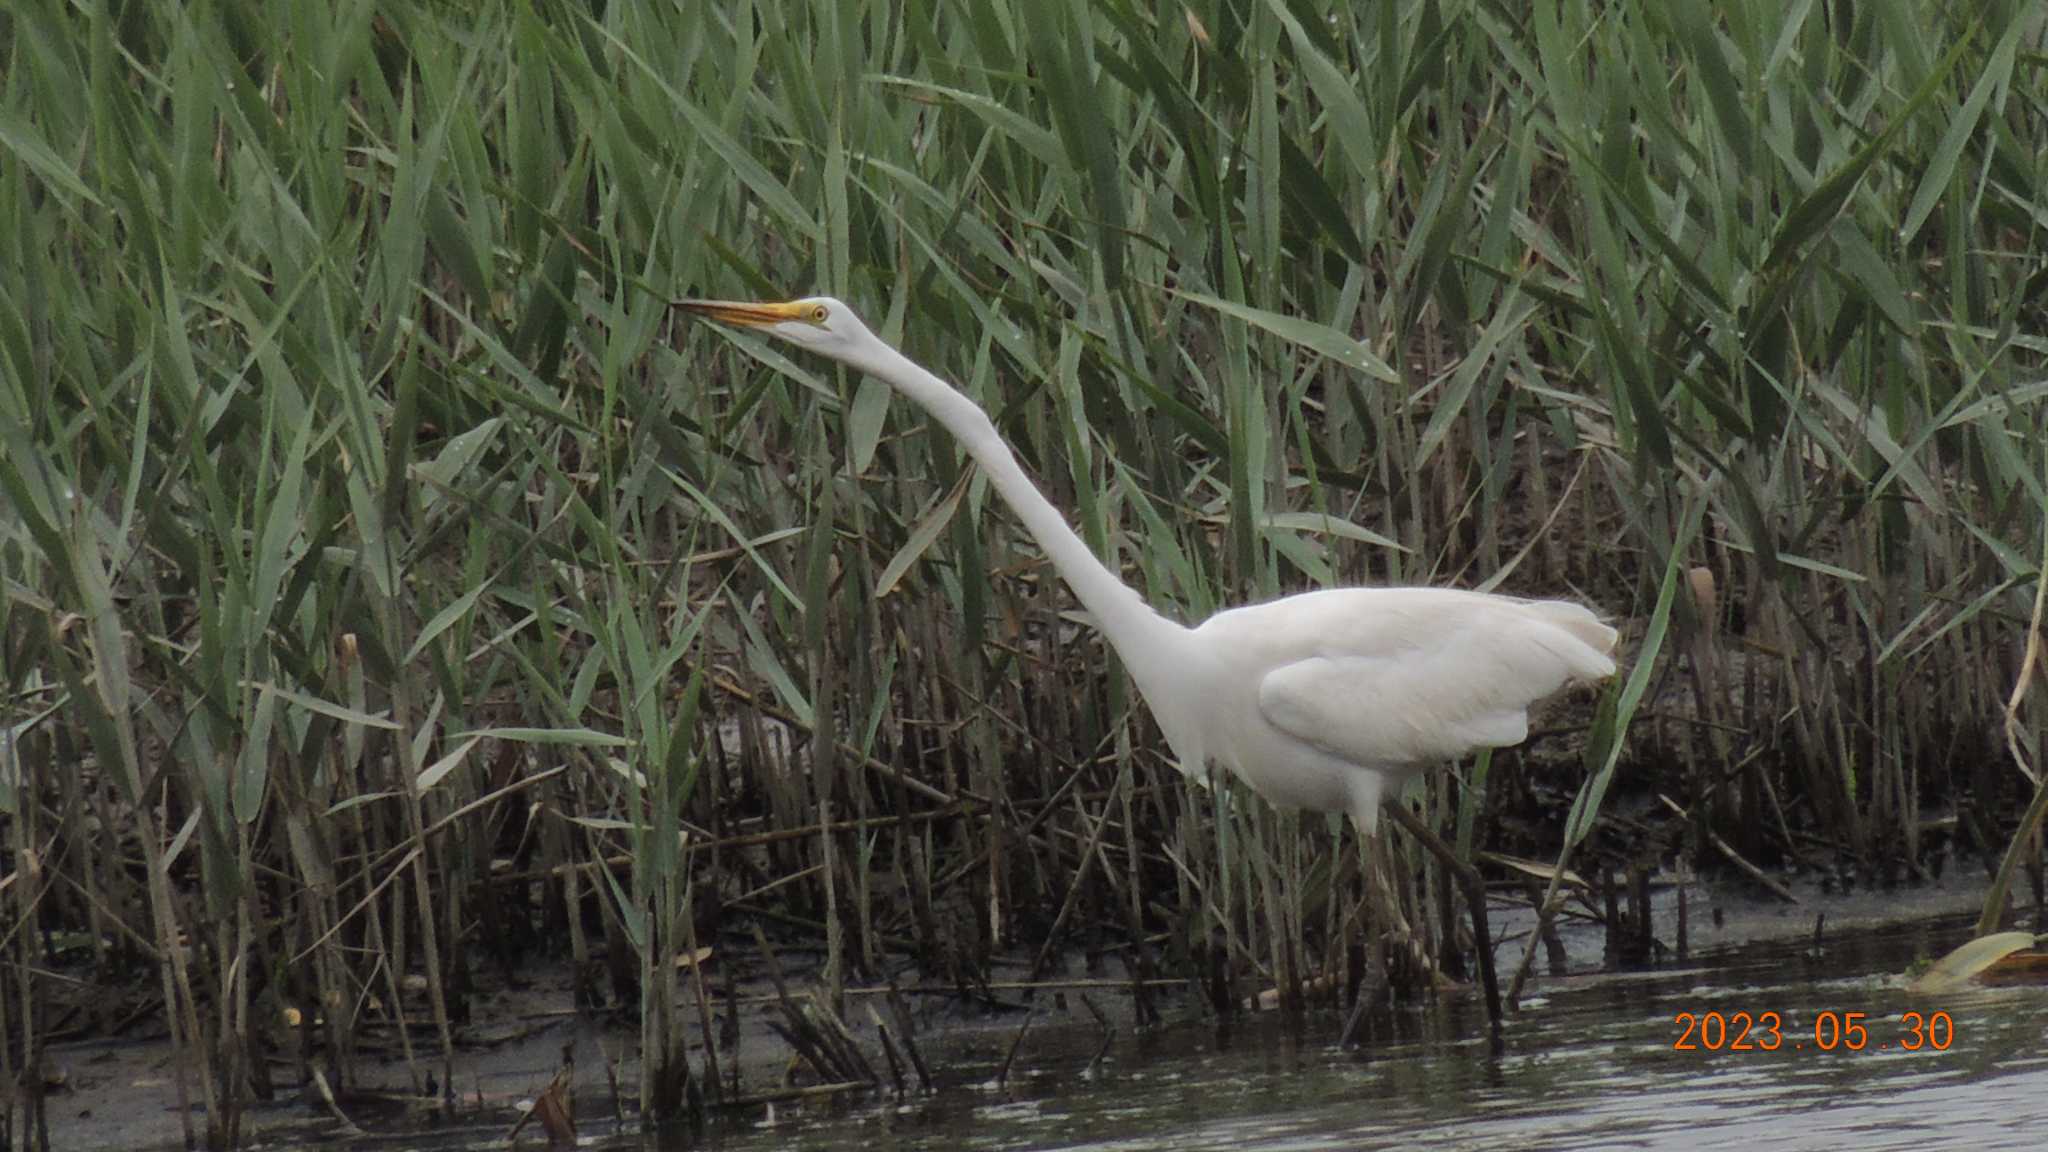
[1089, 853]
[2024, 838]
[1016, 1042]
[813, 1029]
[1763, 879]
[805, 1092]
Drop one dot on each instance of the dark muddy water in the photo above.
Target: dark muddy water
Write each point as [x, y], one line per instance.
[1588, 1064]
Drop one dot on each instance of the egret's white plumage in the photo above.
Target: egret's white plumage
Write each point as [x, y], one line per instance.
[1342, 693]
[1319, 700]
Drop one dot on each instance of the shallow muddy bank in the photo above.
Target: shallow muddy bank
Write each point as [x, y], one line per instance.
[121, 1095]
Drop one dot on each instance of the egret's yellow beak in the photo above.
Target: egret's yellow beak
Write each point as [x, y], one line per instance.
[741, 312]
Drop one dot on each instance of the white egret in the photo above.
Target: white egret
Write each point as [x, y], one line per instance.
[1325, 700]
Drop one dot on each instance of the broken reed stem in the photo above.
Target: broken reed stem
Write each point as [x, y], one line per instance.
[1099, 984]
[797, 1027]
[888, 1047]
[899, 1009]
[1072, 898]
[1728, 853]
[807, 1092]
[1546, 911]
[619, 861]
[704, 1014]
[841, 747]
[1016, 1042]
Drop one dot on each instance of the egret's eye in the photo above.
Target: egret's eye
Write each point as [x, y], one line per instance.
[819, 314]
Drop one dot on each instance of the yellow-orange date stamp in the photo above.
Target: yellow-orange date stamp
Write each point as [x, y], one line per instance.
[1829, 1032]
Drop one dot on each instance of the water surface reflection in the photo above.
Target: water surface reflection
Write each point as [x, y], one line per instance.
[1588, 1064]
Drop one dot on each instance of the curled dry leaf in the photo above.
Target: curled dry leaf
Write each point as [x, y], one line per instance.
[2024, 967]
[1959, 967]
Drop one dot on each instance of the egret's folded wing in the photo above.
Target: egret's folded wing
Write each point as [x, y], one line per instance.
[1434, 697]
[1365, 710]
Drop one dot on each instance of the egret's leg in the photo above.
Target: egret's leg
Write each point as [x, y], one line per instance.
[1374, 983]
[1475, 899]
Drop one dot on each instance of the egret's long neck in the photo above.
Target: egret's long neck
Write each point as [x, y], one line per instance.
[1145, 639]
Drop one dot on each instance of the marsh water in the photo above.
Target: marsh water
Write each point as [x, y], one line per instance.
[1590, 1063]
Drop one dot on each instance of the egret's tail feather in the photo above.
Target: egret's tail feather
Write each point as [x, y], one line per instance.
[1579, 620]
[1596, 660]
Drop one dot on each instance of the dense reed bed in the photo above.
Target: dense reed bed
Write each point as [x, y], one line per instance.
[398, 592]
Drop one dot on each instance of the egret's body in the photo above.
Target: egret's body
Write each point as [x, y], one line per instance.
[1325, 700]
[1319, 700]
